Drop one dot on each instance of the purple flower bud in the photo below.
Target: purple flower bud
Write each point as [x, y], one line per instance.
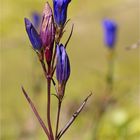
[47, 32]
[33, 35]
[62, 65]
[60, 11]
[48, 55]
[110, 29]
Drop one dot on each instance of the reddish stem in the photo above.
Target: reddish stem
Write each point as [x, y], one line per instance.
[49, 102]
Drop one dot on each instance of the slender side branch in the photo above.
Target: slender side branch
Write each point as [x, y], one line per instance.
[54, 55]
[70, 35]
[44, 67]
[133, 46]
[74, 116]
[66, 23]
[42, 63]
[36, 113]
[54, 84]
[54, 70]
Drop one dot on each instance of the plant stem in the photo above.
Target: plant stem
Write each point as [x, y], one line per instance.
[110, 73]
[108, 92]
[96, 127]
[47, 75]
[58, 117]
[49, 103]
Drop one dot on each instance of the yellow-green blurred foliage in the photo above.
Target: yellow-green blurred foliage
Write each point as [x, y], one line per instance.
[19, 66]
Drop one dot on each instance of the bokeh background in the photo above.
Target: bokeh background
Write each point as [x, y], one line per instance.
[19, 66]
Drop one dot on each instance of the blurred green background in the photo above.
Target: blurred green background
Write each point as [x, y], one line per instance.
[19, 66]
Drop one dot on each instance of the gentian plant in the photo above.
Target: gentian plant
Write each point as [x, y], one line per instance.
[53, 57]
[107, 99]
[110, 36]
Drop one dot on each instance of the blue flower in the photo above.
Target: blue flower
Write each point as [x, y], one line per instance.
[62, 65]
[60, 11]
[110, 31]
[36, 19]
[33, 35]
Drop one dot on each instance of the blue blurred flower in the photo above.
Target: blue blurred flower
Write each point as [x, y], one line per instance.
[33, 35]
[36, 19]
[110, 31]
[60, 11]
[62, 65]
